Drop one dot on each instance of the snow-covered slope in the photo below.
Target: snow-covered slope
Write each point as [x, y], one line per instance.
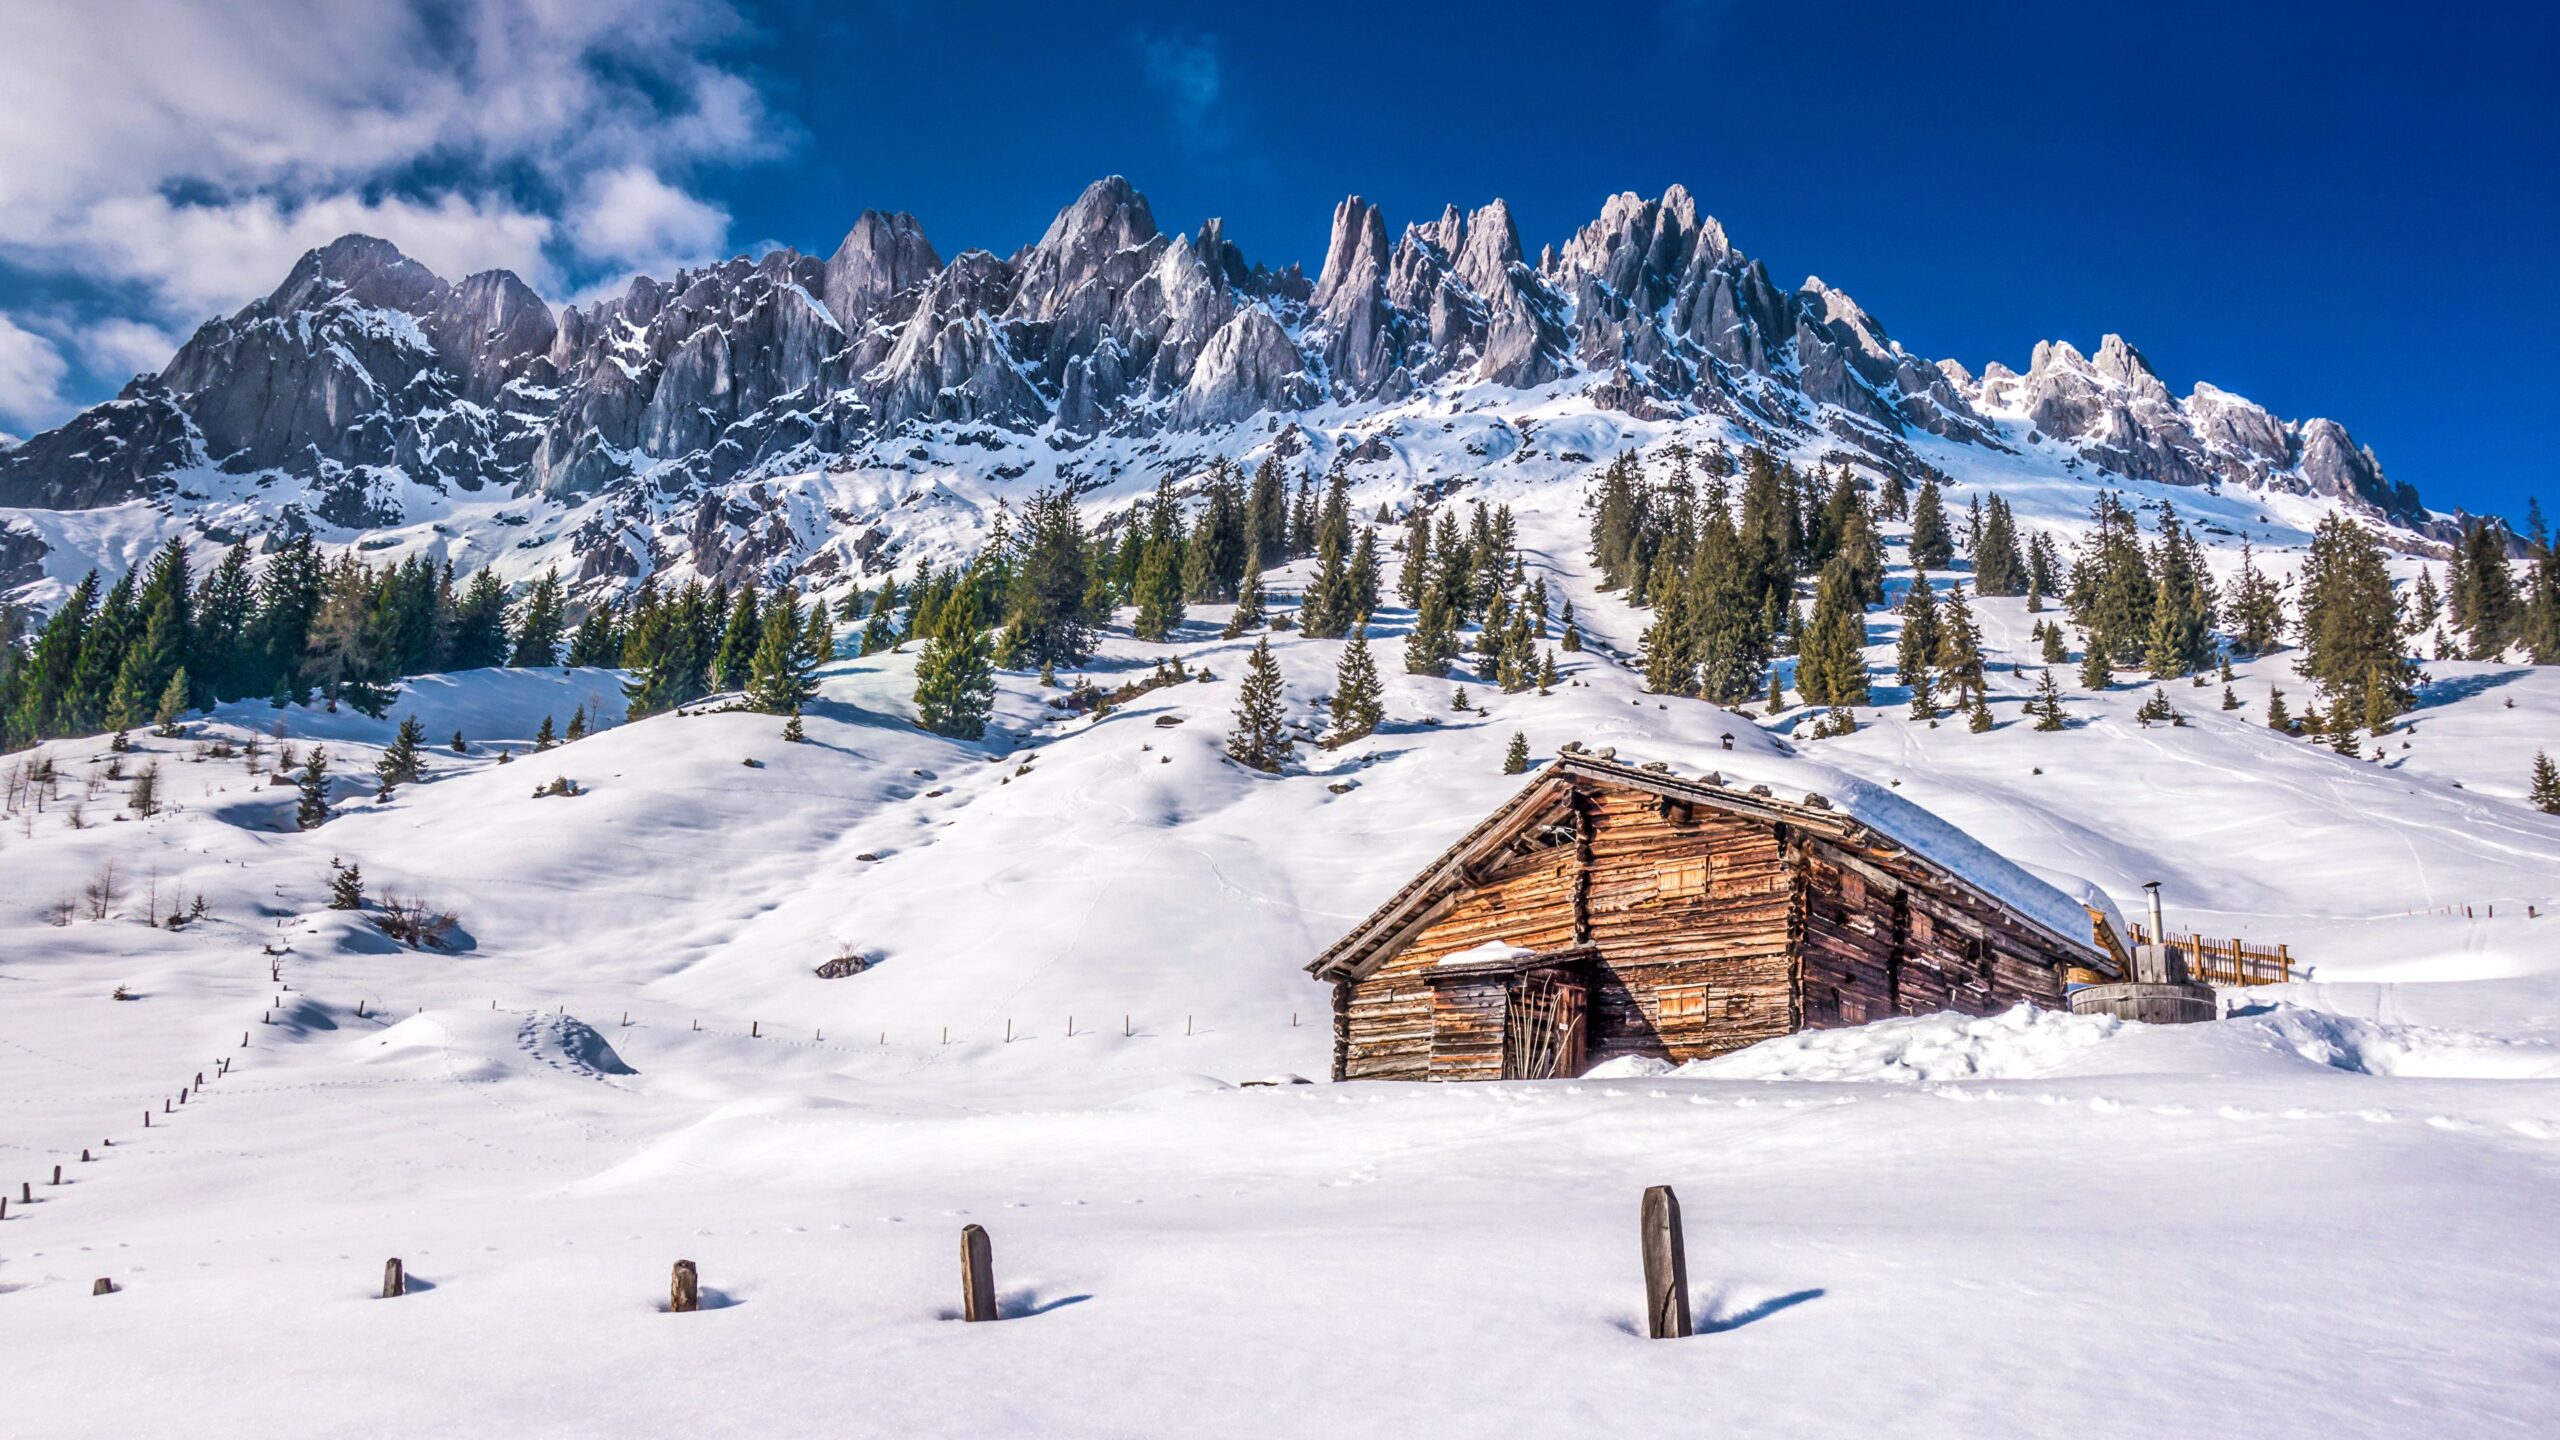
[1086, 935]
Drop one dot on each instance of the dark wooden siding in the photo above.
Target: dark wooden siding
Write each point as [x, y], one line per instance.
[1877, 944]
[1694, 916]
[1528, 903]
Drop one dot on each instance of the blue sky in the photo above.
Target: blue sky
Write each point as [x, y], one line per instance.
[2341, 210]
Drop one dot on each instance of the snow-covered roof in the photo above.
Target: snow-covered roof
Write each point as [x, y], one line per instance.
[1865, 813]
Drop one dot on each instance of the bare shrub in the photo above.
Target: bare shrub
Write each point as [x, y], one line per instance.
[415, 923]
[100, 892]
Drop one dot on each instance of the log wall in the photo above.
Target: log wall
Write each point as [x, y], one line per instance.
[1528, 903]
[1878, 944]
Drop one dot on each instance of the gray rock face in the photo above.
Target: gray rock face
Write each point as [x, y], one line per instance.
[364, 369]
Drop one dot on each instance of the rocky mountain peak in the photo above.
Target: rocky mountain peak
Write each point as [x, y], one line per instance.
[882, 255]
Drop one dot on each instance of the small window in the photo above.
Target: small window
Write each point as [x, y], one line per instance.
[1680, 1004]
[1681, 880]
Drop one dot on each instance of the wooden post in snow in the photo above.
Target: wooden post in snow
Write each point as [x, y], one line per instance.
[977, 1274]
[1666, 1266]
[684, 1288]
[103, 1286]
[395, 1279]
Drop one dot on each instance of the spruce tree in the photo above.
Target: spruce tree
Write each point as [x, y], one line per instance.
[1924, 703]
[1415, 571]
[738, 640]
[311, 807]
[1434, 641]
[1050, 604]
[2047, 704]
[1159, 591]
[2230, 700]
[1959, 651]
[1833, 668]
[1248, 612]
[401, 762]
[1932, 548]
[346, 889]
[955, 676]
[1977, 716]
[543, 625]
[1547, 673]
[1359, 702]
[792, 734]
[2256, 610]
[2278, 718]
[2055, 648]
[1515, 758]
[2545, 790]
[598, 641]
[577, 724]
[1999, 564]
[781, 675]
[1917, 650]
[173, 705]
[1670, 657]
[2095, 672]
[460, 745]
[2351, 623]
[546, 737]
[1571, 641]
[1260, 739]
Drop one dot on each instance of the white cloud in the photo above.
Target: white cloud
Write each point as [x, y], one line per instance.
[193, 150]
[631, 218]
[125, 347]
[1186, 71]
[31, 373]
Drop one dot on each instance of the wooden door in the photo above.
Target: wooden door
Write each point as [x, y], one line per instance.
[1543, 1026]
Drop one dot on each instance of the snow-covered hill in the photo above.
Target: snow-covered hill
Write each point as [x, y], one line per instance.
[2289, 1222]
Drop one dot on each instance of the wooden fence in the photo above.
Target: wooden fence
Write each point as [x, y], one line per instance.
[2228, 962]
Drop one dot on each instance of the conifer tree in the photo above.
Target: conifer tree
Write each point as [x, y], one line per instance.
[1515, 758]
[2044, 566]
[2056, 648]
[1571, 641]
[1248, 612]
[1267, 511]
[1924, 701]
[2278, 718]
[460, 745]
[1999, 565]
[346, 889]
[1777, 698]
[1415, 571]
[781, 675]
[1458, 699]
[546, 737]
[2487, 606]
[1670, 660]
[2180, 639]
[1359, 703]
[1361, 593]
[882, 627]
[543, 625]
[1159, 591]
[2256, 611]
[2351, 623]
[311, 807]
[1932, 548]
[173, 705]
[598, 641]
[955, 676]
[1260, 739]
[1321, 613]
[738, 640]
[1728, 624]
[1049, 604]
[1918, 647]
[1434, 641]
[792, 733]
[2428, 606]
[401, 762]
[577, 724]
[2095, 672]
[2539, 625]
[1547, 673]
[2230, 700]
[1958, 656]
[2545, 790]
[1977, 716]
[2047, 704]
[1833, 668]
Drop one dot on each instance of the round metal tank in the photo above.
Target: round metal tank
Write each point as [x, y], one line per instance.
[2150, 1001]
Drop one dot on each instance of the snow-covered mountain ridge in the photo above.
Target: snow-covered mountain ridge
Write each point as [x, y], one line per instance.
[790, 416]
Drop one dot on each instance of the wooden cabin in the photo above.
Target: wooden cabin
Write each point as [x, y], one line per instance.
[1611, 909]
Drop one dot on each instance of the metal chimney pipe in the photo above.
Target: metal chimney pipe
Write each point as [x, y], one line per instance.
[2159, 936]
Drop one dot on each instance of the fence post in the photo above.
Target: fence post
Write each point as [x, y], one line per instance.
[395, 1279]
[1666, 1266]
[977, 1274]
[684, 1288]
[103, 1286]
